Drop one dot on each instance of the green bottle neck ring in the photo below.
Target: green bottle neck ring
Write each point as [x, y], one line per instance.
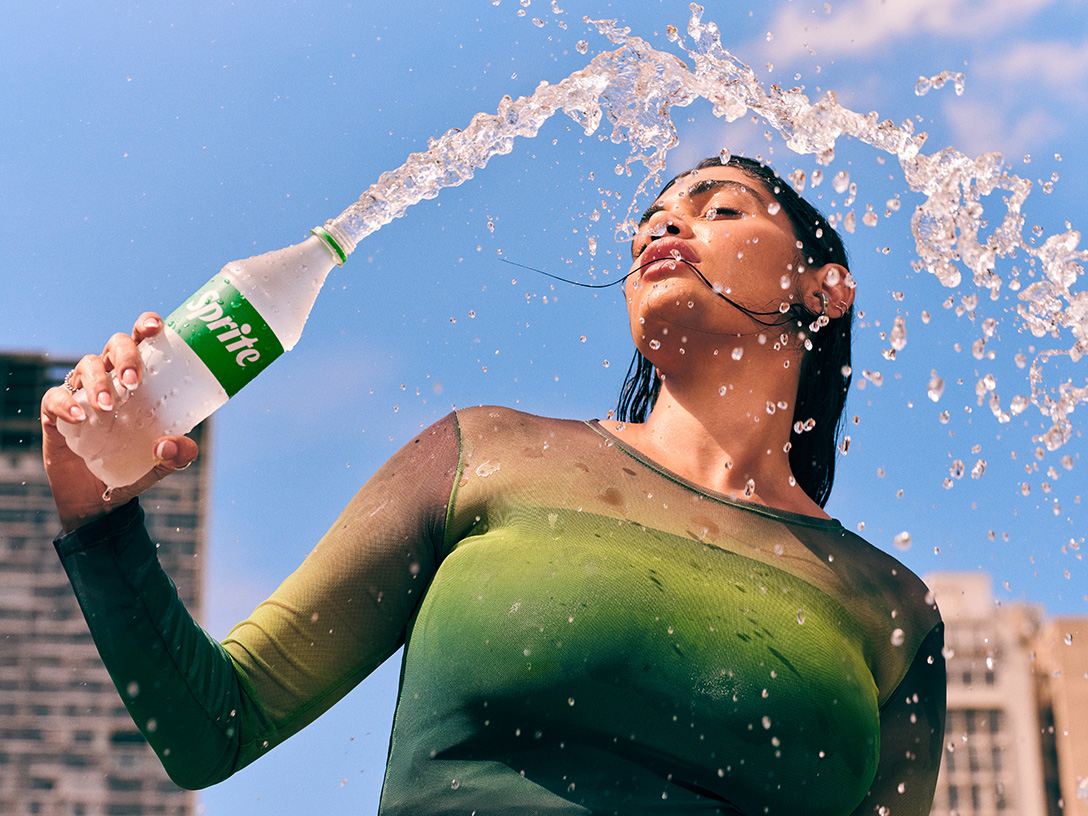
[323, 234]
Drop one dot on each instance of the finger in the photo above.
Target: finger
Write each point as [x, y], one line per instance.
[147, 325]
[92, 376]
[173, 453]
[59, 403]
[122, 355]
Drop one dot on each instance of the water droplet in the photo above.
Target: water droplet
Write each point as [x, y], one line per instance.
[897, 637]
[936, 386]
[738, 352]
[898, 336]
[455, 784]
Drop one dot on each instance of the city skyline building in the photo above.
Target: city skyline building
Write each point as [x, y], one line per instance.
[1016, 735]
[67, 744]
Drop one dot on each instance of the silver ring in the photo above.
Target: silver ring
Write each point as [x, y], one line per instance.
[68, 382]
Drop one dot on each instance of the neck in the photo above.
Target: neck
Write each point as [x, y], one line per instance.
[713, 423]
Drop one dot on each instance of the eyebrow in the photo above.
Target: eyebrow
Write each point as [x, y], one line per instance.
[709, 185]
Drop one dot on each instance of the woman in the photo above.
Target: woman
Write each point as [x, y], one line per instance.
[651, 614]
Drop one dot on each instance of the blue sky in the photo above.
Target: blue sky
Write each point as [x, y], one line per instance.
[144, 146]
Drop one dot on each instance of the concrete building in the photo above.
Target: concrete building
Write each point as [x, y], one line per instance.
[1016, 738]
[67, 745]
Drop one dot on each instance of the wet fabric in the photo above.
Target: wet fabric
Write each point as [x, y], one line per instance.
[586, 633]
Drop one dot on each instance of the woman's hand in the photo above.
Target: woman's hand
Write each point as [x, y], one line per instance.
[77, 492]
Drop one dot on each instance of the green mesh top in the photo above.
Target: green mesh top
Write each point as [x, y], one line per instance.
[586, 633]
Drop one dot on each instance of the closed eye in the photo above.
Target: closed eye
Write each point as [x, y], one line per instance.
[721, 212]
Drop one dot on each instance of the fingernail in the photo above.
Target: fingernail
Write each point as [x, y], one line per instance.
[105, 401]
[151, 323]
[77, 413]
[160, 450]
[129, 379]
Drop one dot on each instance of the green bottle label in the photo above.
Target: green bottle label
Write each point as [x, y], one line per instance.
[227, 333]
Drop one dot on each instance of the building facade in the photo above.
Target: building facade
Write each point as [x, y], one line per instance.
[67, 745]
[1016, 737]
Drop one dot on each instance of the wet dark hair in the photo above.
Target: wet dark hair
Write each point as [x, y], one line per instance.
[825, 369]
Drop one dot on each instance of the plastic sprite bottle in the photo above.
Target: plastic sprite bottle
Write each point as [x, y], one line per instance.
[222, 337]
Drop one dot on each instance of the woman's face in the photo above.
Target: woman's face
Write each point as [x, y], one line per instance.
[729, 226]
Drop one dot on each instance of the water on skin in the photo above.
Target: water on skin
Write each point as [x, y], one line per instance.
[635, 87]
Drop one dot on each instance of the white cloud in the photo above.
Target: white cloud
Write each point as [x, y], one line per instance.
[982, 127]
[866, 26]
[742, 137]
[1058, 66]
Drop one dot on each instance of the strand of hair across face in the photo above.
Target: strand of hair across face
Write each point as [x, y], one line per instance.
[744, 309]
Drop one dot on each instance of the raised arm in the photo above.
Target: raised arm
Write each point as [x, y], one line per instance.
[207, 708]
[911, 737]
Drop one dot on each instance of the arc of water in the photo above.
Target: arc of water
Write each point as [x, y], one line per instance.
[635, 87]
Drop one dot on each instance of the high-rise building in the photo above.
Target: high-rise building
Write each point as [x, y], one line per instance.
[1016, 737]
[67, 745]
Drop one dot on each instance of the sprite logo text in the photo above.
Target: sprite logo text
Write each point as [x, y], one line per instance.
[227, 333]
[212, 314]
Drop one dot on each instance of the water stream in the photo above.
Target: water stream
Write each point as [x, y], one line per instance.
[634, 88]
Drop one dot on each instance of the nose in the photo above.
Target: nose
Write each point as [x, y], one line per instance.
[668, 222]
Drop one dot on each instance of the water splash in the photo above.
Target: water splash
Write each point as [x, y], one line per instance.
[634, 89]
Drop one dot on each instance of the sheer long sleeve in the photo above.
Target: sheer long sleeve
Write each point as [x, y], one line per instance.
[210, 708]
